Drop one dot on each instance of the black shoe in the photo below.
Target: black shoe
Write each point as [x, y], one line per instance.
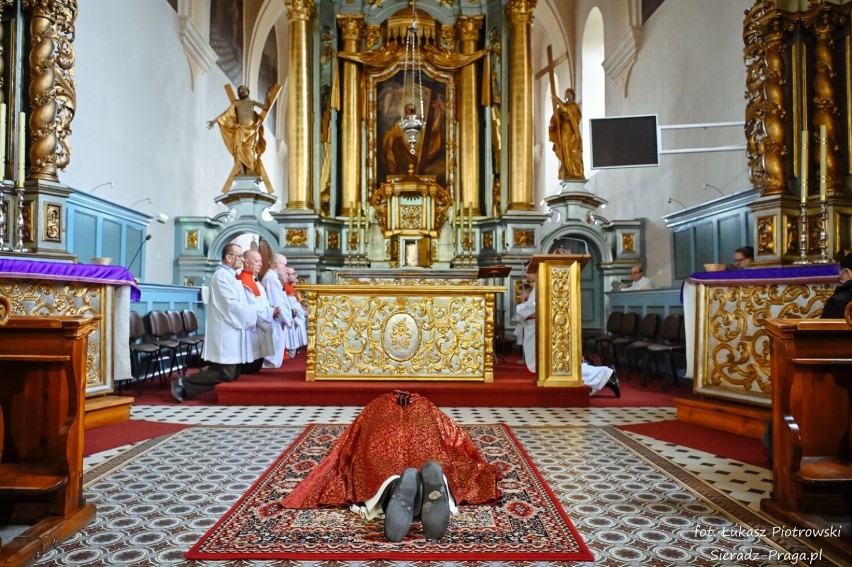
[435, 510]
[178, 392]
[399, 510]
[613, 385]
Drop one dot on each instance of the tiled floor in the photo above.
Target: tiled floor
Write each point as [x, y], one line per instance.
[743, 482]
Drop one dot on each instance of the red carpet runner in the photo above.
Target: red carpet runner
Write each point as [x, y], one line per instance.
[528, 525]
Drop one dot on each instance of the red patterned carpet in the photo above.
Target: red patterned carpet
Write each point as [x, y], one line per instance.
[528, 525]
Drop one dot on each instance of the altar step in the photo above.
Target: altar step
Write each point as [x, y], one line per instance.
[107, 410]
[725, 416]
[291, 391]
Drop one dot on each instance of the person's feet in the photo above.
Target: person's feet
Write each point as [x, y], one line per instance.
[178, 391]
[435, 511]
[614, 386]
[399, 511]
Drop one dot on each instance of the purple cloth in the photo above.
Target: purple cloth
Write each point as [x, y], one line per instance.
[827, 272]
[91, 273]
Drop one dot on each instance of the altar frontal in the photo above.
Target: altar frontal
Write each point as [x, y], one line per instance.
[400, 332]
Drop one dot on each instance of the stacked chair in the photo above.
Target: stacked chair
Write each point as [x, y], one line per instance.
[600, 343]
[161, 333]
[625, 335]
[140, 349]
[190, 327]
[184, 339]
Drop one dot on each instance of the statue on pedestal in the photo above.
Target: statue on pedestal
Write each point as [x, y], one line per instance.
[242, 131]
[565, 134]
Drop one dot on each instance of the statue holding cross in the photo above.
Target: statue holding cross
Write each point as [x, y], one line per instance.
[242, 131]
[564, 129]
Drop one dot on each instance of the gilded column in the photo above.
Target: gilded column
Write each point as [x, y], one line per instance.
[299, 14]
[52, 92]
[754, 55]
[351, 28]
[468, 32]
[826, 111]
[520, 15]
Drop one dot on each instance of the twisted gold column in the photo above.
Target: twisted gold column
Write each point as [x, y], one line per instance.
[520, 163]
[468, 28]
[351, 28]
[52, 93]
[826, 110]
[299, 14]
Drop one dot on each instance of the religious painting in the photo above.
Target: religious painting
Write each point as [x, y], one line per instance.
[267, 77]
[226, 37]
[394, 155]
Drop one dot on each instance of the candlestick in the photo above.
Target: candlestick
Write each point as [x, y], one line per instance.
[22, 120]
[804, 180]
[803, 233]
[358, 225]
[470, 223]
[823, 170]
[2, 139]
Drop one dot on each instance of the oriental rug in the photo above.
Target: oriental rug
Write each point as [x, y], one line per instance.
[528, 524]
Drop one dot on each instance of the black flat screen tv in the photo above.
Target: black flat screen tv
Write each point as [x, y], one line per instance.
[624, 141]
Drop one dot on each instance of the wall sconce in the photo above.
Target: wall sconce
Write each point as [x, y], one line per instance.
[96, 187]
[676, 201]
[708, 186]
[146, 199]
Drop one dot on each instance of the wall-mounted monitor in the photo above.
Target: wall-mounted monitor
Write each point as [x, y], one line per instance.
[624, 141]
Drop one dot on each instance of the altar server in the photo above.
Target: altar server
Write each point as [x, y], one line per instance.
[229, 319]
[262, 342]
[298, 335]
[273, 282]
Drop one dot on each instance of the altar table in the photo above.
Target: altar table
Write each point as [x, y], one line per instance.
[79, 290]
[727, 345]
[385, 331]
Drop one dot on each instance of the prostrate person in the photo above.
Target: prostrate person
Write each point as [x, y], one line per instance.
[262, 342]
[297, 337]
[402, 456]
[640, 280]
[273, 283]
[230, 317]
[743, 257]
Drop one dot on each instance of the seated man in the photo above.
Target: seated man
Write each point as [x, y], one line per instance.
[743, 257]
[373, 468]
[640, 280]
[835, 307]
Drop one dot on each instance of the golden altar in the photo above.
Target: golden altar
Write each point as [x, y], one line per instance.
[414, 330]
[727, 344]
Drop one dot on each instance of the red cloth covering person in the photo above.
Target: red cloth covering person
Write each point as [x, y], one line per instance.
[384, 440]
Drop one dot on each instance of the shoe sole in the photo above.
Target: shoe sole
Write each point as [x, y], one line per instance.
[435, 511]
[400, 509]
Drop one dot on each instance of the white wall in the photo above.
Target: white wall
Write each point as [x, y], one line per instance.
[689, 70]
[142, 126]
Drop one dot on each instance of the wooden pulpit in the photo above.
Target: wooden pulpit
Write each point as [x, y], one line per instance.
[42, 398]
[558, 325]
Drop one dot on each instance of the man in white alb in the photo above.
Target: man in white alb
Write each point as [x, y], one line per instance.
[262, 335]
[273, 282]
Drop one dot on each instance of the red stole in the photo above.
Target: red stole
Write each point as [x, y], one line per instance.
[248, 280]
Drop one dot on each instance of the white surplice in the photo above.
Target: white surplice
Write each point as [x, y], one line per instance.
[297, 337]
[261, 336]
[525, 313]
[277, 298]
[230, 317]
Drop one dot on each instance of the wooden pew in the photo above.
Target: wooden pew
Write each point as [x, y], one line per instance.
[42, 406]
[811, 361]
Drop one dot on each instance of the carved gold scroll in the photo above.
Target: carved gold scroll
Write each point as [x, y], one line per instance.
[731, 344]
[400, 332]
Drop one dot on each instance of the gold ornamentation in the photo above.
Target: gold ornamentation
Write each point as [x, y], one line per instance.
[627, 242]
[300, 9]
[791, 235]
[5, 310]
[28, 220]
[73, 299]
[394, 332]
[334, 241]
[53, 222]
[560, 319]
[488, 240]
[192, 239]
[296, 237]
[524, 237]
[189, 282]
[733, 347]
[411, 217]
[766, 235]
